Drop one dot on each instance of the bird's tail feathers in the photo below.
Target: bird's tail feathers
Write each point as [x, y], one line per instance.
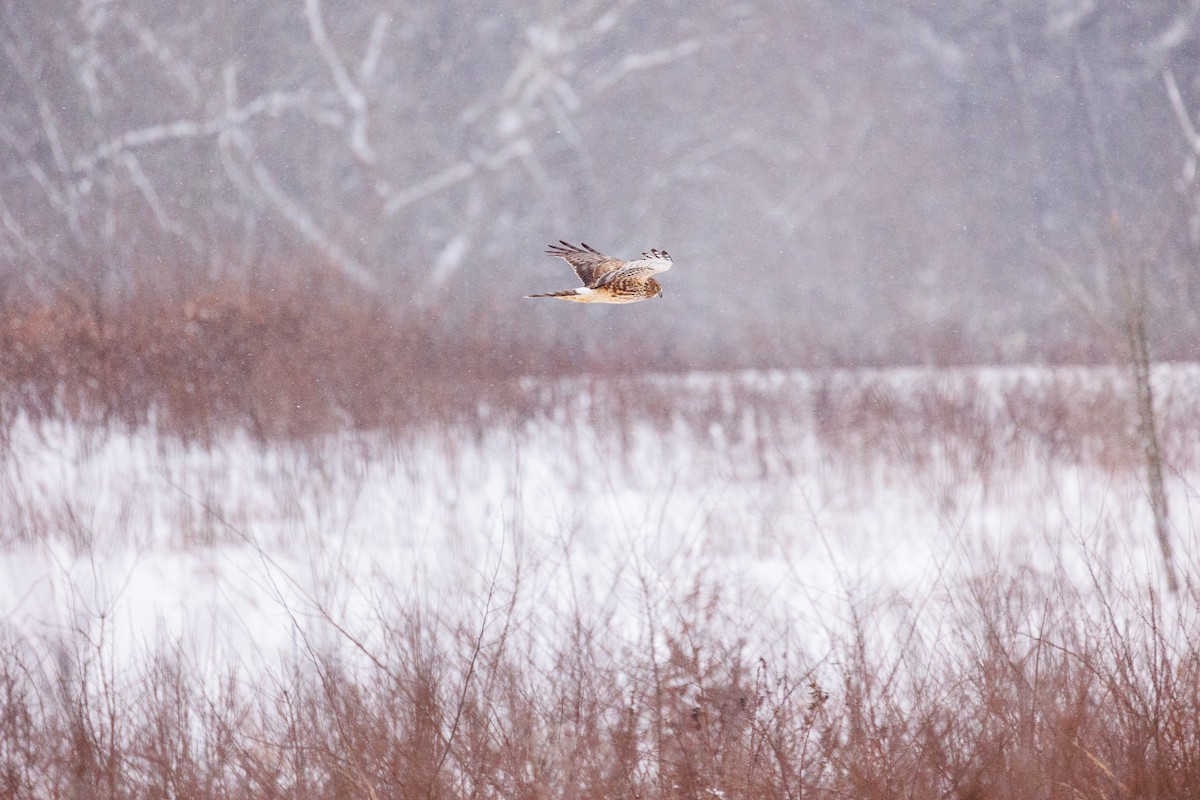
[563, 293]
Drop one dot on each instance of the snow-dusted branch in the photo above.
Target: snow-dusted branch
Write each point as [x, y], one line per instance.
[350, 92]
[88, 55]
[638, 62]
[21, 241]
[181, 72]
[1181, 112]
[304, 223]
[370, 59]
[142, 181]
[269, 104]
[63, 198]
[263, 184]
[397, 200]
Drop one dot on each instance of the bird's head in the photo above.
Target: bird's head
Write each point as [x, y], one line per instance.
[655, 287]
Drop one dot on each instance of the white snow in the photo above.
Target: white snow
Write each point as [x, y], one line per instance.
[248, 553]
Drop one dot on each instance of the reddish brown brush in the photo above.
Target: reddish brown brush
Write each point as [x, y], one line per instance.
[299, 360]
[1020, 695]
[288, 362]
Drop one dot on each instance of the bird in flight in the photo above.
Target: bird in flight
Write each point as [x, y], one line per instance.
[607, 279]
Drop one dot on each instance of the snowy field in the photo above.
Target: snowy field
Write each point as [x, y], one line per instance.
[246, 553]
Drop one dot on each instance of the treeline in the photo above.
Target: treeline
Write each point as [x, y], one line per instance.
[851, 183]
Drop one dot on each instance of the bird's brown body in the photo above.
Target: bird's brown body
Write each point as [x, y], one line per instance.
[609, 280]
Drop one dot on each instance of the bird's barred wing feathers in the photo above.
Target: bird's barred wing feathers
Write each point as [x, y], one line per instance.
[589, 264]
[655, 261]
[632, 272]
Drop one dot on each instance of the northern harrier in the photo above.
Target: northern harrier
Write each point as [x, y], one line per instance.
[609, 280]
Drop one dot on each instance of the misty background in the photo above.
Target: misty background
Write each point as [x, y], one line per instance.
[839, 182]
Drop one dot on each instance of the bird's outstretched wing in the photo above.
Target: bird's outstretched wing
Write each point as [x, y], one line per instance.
[590, 264]
[654, 261]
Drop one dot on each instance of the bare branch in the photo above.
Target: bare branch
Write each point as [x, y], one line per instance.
[451, 176]
[45, 111]
[370, 59]
[142, 181]
[270, 104]
[88, 57]
[16, 233]
[183, 74]
[637, 62]
[1181, 112]
[62, 199]
[1086, 300]
[351, 94]
[261, 183]
[303, 222]
[142, 137]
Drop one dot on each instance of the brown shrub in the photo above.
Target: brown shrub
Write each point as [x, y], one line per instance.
[1023, 696]
[295, 360]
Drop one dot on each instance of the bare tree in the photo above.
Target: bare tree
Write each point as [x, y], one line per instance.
[1116, 298]
[855, 156]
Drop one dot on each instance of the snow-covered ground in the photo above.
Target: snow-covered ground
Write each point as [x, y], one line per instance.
[241, 552]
